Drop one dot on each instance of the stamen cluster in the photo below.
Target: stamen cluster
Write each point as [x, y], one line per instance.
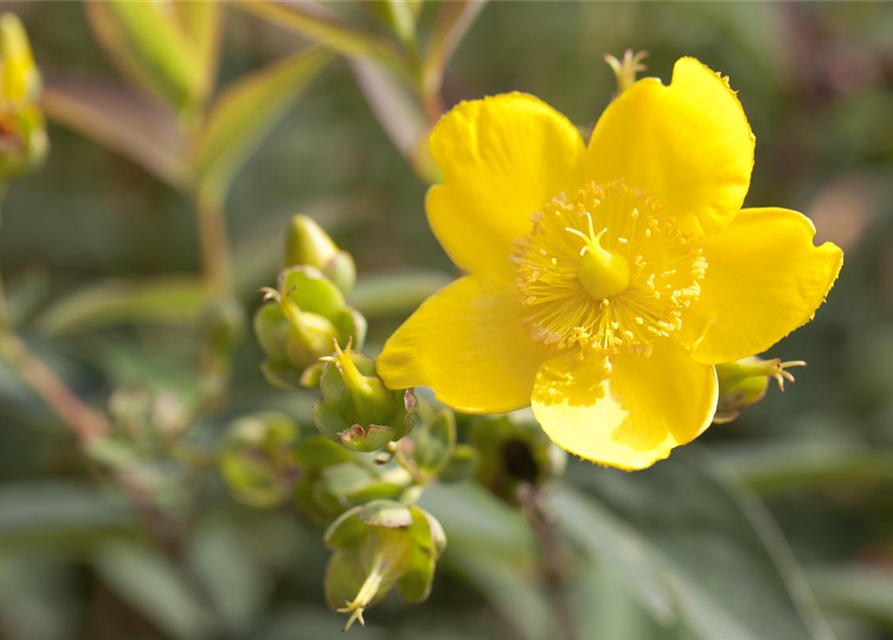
[665, 269]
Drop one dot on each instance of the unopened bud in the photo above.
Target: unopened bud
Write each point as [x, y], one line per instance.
[223, 323]
[743, 383]
[301, 320]
[19, 78]
[377, 546]
[306, 243]
[258, 460]
[23, 139]
[357, 409]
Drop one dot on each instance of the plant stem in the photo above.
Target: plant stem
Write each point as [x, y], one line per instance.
[86, 423]
[432, 105]
[2, 304]
[552, 569]
[213, 243]
[3, 319]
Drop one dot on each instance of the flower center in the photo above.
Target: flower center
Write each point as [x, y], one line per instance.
[606, 269]
[603, 274]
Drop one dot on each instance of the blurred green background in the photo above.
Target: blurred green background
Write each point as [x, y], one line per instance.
[816, 81]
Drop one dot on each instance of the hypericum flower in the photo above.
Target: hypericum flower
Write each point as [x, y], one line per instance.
[606, 280]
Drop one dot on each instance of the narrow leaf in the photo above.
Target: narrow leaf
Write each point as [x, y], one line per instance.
[399, 115]
[245, 113]
[170, 300]
[453, 22]
[119, 118]
[399, 15]
[147, 42]
[693, 546]
[328, 28]
[202, 23]
[780, 468]
[56, 514]
[864, 592]
[395, 292]
[155, 587]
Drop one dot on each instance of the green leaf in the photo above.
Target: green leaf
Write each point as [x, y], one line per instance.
[316, 21]
[37, 594]
[472, 517]
[861, 591]
[147, 42]
[232, 578]
[155, 587]
[399, 115]
[117, 117]
[399, 15]
[203, 25]
[395, 293]
[512, 590]
[492, 547]
[782, 468]
[57, 514]
[176, 300]
[693, 546]
[244, 115]
[451, 25]
[601, 610]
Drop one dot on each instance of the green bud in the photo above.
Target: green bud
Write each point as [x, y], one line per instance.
[223, 322]
[358, 410]
[743, 383]
[430, 448]
[299, 323]
[378, 546]
[258, 460]
[514, 454]
[144, 418]
[463, 464]
[306, 243]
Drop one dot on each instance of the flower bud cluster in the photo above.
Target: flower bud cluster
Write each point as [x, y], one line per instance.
[377, 448]
[306, 314]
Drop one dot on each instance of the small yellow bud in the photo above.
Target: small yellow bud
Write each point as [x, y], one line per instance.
[23, 139]
[19, 77]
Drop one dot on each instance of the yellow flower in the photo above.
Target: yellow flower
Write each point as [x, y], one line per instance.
[606, 280]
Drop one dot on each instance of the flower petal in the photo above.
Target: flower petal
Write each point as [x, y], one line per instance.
[687, 144]
[764, 279]
[628, 411]
[466, 343]
[502, 159]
